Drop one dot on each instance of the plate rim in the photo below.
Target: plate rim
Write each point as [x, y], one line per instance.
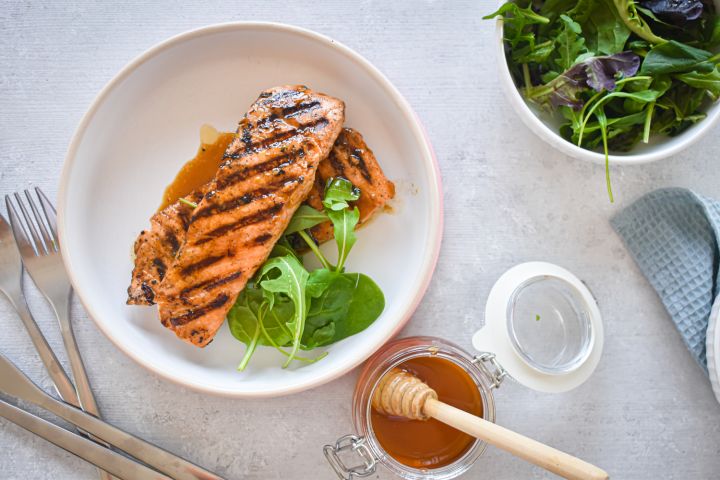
[413, 120]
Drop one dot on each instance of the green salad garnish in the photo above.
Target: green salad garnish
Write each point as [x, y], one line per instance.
[617, 72]
[287, 307]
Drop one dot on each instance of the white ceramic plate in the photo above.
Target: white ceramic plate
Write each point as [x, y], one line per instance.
[713, 348]
[144, 125]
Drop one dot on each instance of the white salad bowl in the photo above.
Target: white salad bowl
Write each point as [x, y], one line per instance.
[145, 124]
[546, 126]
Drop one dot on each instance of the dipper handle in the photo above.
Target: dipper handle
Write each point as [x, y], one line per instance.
[519, 445]
[402, 394]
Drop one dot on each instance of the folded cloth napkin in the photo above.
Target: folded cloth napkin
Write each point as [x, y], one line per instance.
[673, 236]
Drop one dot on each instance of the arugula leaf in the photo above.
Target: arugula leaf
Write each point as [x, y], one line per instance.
[344, 222]
[629, 15]
[285, 275]
[283, 248]
[305, 217]
[512, 11]
[570, 42]
[661, 76]
[602, 120]
[338, 192]
[534, 53]
[714, 32]
[676, 57]
[678, 109]
[709, 81]
[284, 306]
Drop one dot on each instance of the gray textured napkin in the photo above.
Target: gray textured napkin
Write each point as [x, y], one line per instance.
[673, 236]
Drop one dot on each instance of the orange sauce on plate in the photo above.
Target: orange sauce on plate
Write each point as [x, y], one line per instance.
[201, 169]
[430, 444]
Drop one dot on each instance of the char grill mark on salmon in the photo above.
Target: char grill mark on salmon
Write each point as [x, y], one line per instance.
[156, 248]
[349, 142]
[282, 139]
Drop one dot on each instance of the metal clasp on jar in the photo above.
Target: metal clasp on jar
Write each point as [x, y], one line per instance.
[356, 445]
[489, 365]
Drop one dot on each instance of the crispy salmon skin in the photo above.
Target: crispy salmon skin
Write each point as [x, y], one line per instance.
[268, 172]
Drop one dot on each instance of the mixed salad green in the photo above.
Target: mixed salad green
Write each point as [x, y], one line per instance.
[290, 308]
[618, 71]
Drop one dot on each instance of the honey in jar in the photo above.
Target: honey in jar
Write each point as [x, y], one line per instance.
[430, 443]
[414, 449]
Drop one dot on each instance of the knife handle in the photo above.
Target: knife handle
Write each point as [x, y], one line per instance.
[152, 455]
[121, 467]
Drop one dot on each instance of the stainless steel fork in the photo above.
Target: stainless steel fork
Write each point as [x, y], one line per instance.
[39, 247]
[11, 285]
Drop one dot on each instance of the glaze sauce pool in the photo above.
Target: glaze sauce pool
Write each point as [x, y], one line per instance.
[201, 169]
[430, 444]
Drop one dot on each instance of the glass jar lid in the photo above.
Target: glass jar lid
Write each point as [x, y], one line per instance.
[544, 327]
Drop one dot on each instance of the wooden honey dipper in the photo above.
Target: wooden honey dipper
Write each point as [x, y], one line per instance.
[402, 394]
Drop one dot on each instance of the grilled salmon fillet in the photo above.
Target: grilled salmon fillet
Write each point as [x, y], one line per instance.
[155, 249]
[353, 160]
[268, 172]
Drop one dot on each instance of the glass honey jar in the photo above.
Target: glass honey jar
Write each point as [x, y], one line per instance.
[510, 344]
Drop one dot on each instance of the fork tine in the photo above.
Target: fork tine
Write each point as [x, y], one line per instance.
[39, 245]
[26, 248]
[50, 215]
[47, 240]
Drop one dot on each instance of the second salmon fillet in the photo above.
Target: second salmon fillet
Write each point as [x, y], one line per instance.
[268, 172]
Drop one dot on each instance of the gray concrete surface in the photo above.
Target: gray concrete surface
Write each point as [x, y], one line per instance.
[648, 411]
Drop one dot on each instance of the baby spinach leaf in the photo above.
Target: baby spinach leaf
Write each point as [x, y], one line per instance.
[305, 217]
[552, 9]
[351, 303]
[676, 57]
[605, 32]
[319, 281]
[275, 321]
[367, 303]
[285, 275]
[243, 320]
[329, 307]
